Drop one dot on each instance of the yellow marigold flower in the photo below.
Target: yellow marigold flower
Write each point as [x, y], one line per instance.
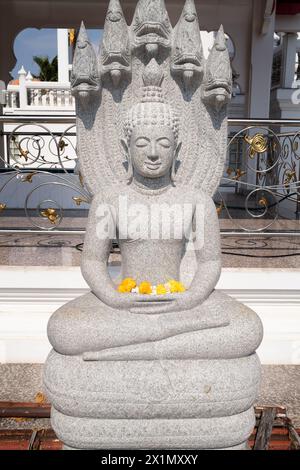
[145, 287]
[180, 287]
[173, 285]
[176, 286]
[127, 285]
[160, 289]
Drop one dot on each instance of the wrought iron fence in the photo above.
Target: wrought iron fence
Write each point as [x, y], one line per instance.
[259, 192]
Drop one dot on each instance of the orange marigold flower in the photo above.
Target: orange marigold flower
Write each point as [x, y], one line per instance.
[129, 282]
[122, 289]
[145, 287]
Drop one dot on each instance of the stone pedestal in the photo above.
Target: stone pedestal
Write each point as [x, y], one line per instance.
[167, 404]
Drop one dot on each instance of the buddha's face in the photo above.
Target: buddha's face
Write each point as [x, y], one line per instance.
[152, 150]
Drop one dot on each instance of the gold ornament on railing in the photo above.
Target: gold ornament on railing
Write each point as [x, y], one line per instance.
[78, 200]
[238, 173]
[263, 202]
[51, 214]
[2, 206]
[80, 179]
[24, 153]
[258, 144]
[290, 175]
[220, 208]
[62, 144]
[28, 177]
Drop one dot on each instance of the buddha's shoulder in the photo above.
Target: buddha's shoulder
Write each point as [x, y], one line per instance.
[105, 197]
[195, 195]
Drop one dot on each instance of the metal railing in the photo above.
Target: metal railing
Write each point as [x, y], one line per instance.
[259, 192]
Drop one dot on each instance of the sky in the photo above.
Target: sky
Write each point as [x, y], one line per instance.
[41, 42]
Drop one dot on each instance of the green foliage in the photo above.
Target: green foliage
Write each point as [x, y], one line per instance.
[48, 70]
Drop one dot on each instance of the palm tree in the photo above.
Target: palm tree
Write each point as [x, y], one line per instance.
[48, 70]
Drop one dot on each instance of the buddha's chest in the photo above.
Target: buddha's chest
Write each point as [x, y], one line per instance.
[153, 219]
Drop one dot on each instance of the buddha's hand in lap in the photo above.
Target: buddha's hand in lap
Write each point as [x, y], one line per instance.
[152, 304]
[148, 304]
[137, 303]
[164, 303]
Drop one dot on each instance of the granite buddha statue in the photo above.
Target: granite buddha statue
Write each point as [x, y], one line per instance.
[163, 367]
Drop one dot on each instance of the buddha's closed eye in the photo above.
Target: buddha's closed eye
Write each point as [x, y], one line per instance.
[141, 142]
[164, 142]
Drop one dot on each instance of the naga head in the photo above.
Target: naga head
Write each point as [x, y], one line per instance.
[115, 61]
[217, 83]
[151, 27]
[187, 55]
[85, 77]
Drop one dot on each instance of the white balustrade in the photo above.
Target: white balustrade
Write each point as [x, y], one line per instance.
[38, 94]
[49, 94]
[12, 96]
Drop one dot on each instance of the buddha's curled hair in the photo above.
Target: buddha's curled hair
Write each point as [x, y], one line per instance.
[152, 110]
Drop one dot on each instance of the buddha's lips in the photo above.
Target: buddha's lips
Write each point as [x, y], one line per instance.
[152, 166]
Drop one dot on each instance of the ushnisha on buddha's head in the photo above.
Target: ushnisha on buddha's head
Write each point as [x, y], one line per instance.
[151, 130]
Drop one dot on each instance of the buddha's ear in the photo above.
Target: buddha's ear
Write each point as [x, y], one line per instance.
[173, 168]
[177, 150]
[125, 146]
[129, 162]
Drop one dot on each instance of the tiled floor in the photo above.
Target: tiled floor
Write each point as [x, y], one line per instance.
[48, 249]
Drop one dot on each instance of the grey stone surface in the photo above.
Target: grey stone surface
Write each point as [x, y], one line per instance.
[89, 327]
[151, 389]
[21, 382]
[152, 133]
[280, 385]
[194, 433]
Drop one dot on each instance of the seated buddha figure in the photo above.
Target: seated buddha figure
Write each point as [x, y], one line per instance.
[154, 221]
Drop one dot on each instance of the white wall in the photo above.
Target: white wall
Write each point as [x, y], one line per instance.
[28, 296]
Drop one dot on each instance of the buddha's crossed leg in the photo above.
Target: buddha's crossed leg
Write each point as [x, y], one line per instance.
[88, 325]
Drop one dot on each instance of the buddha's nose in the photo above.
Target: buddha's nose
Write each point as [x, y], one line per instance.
[153, 153]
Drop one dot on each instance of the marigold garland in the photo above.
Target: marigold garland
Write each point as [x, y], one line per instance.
[129, 285]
